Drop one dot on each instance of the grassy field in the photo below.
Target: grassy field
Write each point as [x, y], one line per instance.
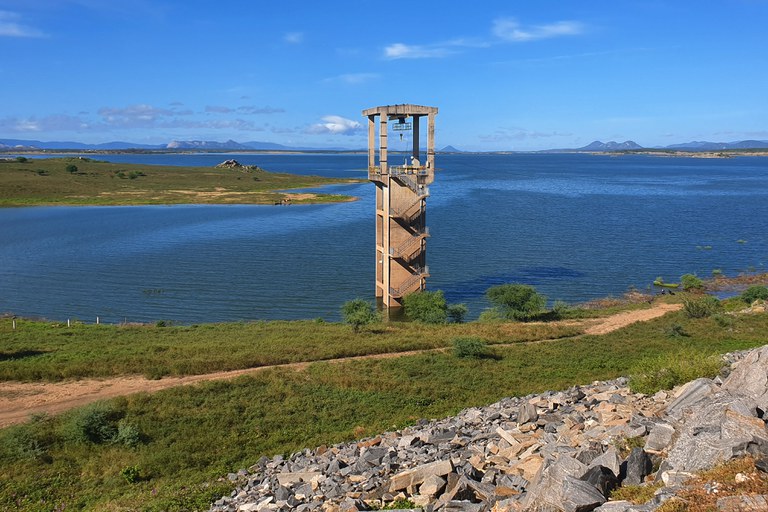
[185, 439]
[52, 181]
[50, 351]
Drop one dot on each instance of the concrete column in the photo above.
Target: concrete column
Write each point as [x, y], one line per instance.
[431, 141]
[383, 144]
[416, 137]
[371, 147]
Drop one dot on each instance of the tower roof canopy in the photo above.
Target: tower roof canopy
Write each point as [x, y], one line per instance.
[405, 109]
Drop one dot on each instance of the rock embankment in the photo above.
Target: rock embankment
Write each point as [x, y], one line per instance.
[557, 451]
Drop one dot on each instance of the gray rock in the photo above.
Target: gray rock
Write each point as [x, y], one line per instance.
[610, 459]
[660, 437]
[718, 431]
[750, 377]
[602, 479]
[638, 466]
[689, 395]
[417, 475]
[743, 504]
[527, 413]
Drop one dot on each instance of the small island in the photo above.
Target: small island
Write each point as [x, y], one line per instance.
[72, 181]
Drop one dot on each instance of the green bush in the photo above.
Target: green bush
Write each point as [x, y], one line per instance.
[96, 423]
[701, 307]
[691, 282]
[427, 307]
[21, 159]
[127, 434]
[490, 316]
[755, 292]
[469, 348]
[516, 301]
[456, 313]
[667, 371]
[131, 474]
[71, 168]
[358, 312]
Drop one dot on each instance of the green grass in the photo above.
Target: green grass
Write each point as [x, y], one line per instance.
[46, 181]
[49, 351]
[193, 435]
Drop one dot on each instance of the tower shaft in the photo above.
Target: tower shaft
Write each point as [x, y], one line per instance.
[401, 193]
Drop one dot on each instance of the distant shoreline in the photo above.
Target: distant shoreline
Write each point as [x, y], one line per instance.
[726, 153]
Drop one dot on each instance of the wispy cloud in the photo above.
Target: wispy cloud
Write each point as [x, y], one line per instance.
[353, 78]
[294, 37]
[58, 122]
[10, 26]
[244, 109]
[509, 29]
[518, 134]
[504, 30]
[134, 116]
[415, 51]
[336, 125]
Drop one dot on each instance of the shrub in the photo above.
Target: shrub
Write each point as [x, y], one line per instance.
[516, 301]
[676, 331]
[691, 282]
[132, 474]
[127, 434]
[667, 371]
[469, 348]
[358, 312]
[95, 424]
[21, 159]
[456, 313]
[71, 168]
[701, 307]
[560, 308]
[427, 307]
[723, 321]
[490, 316]
[753, 293]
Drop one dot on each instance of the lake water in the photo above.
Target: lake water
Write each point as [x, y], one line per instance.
[575, 226]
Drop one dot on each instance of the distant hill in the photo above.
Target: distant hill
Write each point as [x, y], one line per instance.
[610, 146]
[450, 149]
[204, 144]
[715, 146]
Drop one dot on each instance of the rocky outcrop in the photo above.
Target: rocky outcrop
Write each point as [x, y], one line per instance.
[551, 452]
[234, 164]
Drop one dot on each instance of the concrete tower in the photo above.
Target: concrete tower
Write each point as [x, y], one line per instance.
[401, 192]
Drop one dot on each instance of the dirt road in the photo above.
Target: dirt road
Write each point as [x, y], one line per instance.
[19, 400]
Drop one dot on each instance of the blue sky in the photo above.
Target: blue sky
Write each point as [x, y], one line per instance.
[506, 75]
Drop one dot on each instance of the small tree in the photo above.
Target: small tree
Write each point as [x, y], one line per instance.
[691, 282]
[456, 313]
[754, 293]
[427, 307]
[358, 312]
[516, 301]
[71, 168]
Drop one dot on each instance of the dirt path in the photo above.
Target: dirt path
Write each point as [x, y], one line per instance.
[19, 400]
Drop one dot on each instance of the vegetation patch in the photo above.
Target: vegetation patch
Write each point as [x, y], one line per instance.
[82, 181]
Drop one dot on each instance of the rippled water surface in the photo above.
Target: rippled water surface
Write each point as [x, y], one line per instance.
[575, 226]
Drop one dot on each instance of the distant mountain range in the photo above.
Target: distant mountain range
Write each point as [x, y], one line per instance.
[687, 146]
[231, 145]
[199, 145]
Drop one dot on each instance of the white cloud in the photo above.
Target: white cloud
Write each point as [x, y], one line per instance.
[10, 26]
[336, 125]
[509, 29]
[294, 37]
[218, 109]
[406, 51]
